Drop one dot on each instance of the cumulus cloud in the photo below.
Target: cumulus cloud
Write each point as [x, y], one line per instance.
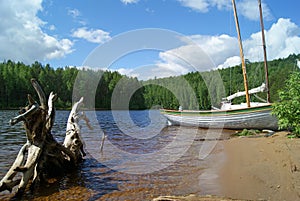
[200, 53]
[197, 5]
[247, 8]
[94, 36]
[146, 72]
[21, 34]
[210, 52]
[230, 61]
[129, 1]
[221, 4]
[283, 39]
[218, 48]
[128, 72]
[207, 52]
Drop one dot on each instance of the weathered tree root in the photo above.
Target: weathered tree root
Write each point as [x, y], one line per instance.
[42, 150]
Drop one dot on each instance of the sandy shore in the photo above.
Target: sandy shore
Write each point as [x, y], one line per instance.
[257, 168]
[262, 168]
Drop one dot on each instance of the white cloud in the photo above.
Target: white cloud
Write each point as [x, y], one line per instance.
[247, 8]
[221, 4]
[173, 61]
[147, 72]
[52, 27]
[21, 35]
[201, 53]
[128, 72]
[207, 52]
[94, 36]
[129, 1]
[197, 5]
[230, 61]
[218, 48]
[282, 39]
[63, 47]
[222, 51]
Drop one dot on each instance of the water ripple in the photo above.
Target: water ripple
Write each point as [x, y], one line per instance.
[97, 181]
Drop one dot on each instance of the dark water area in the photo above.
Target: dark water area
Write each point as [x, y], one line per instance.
[142, 158]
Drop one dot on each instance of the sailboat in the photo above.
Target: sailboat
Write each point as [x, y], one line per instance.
[242, 116]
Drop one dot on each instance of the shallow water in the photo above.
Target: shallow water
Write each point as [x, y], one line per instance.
[141, 157]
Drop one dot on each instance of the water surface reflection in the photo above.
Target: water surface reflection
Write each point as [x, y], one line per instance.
[94, 179]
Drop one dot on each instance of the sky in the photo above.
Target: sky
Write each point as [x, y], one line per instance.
[145, 38]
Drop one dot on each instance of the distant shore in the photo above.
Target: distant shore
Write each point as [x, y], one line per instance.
[256, 168]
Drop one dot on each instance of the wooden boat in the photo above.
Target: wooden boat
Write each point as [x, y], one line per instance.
[244, 116]
[257, 117]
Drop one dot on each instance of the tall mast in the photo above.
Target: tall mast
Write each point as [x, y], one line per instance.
[264, 48]
[241, 53]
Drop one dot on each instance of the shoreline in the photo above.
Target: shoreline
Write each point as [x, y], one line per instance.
[263, 168]
[240, 168]
[252, 168]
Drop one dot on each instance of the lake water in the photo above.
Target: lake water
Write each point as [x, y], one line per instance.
[142, 158]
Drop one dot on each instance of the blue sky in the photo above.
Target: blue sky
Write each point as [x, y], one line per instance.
[65, 33]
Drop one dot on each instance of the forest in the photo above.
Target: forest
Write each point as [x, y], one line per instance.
[111, 90]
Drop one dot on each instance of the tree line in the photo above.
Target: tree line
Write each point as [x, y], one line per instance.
[106, 89]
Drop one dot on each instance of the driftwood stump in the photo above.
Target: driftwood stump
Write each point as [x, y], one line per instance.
[42, 151]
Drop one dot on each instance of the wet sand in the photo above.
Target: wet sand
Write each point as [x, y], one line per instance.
[255, 168]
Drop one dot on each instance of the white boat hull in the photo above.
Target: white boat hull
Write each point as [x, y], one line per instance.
[254, 118]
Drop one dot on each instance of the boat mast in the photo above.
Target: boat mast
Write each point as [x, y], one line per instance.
[264, 48]
[241, 53]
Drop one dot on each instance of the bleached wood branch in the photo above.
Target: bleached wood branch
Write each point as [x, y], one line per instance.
[41, 94]
[42, 151]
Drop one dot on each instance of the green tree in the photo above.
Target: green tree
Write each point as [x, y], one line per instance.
[159, 92]
[288, 109]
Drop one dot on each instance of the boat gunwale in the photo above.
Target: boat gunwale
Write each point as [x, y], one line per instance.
[218, 112]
